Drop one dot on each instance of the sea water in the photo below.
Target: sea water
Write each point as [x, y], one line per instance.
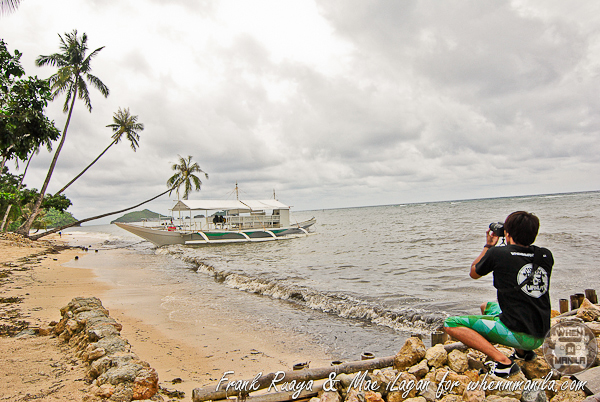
[365, 280]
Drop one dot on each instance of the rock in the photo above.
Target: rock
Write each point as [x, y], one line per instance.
[597, 362]
[459, 382]
[45, 331]
[537, 368]
[93, 353]
[417, 399]
[101, 331]
[104, 391]
[505, 387]
[372, 396]
[405, 392]
[476, 359]
[411, 352]
[383, 378]
[567, 395]
[330, 396]
[458, 361]
[145, 384]
[123, 393]
[534, 396]
[476, 395]
[419, 370]
[451, 398]
[496, 398]
[594, 327]
[355, 395]
[436, 356]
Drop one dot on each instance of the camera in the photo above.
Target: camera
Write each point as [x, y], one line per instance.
[497, 228]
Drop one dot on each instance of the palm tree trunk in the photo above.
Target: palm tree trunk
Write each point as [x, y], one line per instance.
[84, 170]
[5, 219]
[35, 237]
[24, 229]
[4, 159]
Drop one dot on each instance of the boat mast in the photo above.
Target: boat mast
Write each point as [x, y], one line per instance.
[237, 195]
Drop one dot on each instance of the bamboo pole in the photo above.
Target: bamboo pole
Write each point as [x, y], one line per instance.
[285, 396]
[212, 393]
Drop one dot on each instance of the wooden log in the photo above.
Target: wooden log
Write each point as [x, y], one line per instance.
[285, 396]
[574, 302]
[455, 346]
[591, 295]
[212, 393]
[593, 398]
[564, 305]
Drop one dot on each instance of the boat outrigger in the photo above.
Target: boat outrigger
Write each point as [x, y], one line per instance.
[234, 221]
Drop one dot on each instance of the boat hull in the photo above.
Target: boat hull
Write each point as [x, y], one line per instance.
[162, 237]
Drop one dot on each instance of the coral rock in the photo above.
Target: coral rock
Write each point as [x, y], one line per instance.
[419, 370]
[436, 356]
[145, 384]
[458, 361]
[411, 353]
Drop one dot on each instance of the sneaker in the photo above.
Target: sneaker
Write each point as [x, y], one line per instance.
[528, 356]
[503, 370]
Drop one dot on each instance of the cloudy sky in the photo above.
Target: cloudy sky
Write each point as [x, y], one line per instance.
[332, 103]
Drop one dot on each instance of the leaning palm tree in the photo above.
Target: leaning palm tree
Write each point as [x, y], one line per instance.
[171, 186]
[124, 123]
[185, 176]
[74, 70]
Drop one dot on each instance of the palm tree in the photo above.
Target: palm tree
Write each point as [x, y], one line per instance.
[176, 183]
[124, 123]
[9, 5]
[185, 176]
[73, 71]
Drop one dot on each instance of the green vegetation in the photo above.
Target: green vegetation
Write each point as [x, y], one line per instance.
[73, 71]
[185, 176]
[58, 218]
[137, 216]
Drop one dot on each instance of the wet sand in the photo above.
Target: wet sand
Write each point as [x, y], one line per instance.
[198, 352]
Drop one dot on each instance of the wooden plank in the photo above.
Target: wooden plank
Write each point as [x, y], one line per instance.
[592, 378]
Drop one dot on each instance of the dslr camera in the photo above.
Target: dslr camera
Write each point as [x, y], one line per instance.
[497, 228]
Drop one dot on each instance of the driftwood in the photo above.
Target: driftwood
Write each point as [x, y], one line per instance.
[214, 394]
[211, 393]
[593, 398]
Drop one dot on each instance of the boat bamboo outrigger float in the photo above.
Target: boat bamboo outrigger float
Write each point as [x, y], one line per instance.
[234, 221]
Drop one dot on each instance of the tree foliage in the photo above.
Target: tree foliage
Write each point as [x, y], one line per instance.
[23, 125]
[185, 176]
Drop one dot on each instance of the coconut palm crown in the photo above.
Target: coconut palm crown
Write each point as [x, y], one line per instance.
[125, 123]
[185, 175]
[74, 69]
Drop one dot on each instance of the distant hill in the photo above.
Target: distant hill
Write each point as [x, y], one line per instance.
[137, 216]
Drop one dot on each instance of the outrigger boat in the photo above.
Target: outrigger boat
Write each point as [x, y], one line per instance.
[235, 221]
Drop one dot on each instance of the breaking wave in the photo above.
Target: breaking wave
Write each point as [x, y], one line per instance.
[407, 319]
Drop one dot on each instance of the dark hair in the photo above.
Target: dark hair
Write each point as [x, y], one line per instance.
[522, 227]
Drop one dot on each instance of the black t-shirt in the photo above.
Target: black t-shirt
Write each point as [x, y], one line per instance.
[527, 309]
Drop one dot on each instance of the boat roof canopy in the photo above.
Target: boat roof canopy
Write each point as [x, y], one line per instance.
[228, 205]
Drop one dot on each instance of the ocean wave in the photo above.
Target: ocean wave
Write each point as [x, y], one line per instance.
[406, 319]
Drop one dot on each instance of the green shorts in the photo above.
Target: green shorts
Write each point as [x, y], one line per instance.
[492, 329]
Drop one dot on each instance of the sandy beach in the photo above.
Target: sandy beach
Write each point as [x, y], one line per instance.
[32, 366]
